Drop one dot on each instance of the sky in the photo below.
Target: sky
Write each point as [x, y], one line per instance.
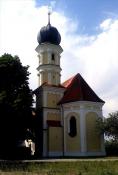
[89, 38]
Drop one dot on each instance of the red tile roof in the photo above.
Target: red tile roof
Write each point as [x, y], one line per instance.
[78, 90]
[49, 85]
[67, 82]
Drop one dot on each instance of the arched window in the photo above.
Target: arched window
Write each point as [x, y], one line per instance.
[53, 57]
[73, 127]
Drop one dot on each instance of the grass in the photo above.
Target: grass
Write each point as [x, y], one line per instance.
[59, 168]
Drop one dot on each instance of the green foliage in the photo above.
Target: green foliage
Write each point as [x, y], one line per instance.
[111, 148]
[92, 167]
[14, 88]
[109, 126]
[15, 99]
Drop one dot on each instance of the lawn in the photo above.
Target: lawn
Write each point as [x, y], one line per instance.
[59, 168]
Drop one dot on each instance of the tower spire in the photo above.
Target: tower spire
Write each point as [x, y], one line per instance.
[49, 13]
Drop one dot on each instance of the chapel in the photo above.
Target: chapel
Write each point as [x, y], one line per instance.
[66, 112]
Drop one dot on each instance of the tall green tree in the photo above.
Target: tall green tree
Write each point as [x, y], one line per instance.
[15, 101]
[110, 126]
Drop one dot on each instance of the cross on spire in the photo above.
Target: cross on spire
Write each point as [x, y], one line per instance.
[49, 13]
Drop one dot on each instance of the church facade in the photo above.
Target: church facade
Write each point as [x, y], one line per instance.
[66, 113]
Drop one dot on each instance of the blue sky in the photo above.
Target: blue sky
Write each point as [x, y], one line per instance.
[88, 13]
[89, 32]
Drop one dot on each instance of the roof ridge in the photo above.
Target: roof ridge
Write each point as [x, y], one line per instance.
[81, 92]
[77, 89]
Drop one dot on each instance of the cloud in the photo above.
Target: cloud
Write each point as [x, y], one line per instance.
[95, 57]
[20, 22]
[105, 25]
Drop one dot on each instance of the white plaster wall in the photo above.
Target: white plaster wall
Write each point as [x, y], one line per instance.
[81, 109]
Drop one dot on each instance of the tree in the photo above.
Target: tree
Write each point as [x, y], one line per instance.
[15, 101]
[110, 126]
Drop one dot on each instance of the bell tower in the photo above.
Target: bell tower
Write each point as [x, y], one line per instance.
[49, 53]
[49, 92]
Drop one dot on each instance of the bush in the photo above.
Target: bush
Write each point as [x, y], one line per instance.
[111, 148]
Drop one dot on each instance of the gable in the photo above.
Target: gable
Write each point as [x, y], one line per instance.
[77, 89]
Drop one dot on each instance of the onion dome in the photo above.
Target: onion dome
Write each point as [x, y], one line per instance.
[49, 34]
